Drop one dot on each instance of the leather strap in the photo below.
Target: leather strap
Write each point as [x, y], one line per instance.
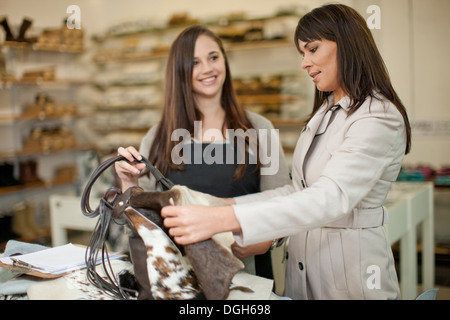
[109, 208]
[85, 205]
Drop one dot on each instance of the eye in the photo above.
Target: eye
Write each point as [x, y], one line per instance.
[214, 57]
[313, 49]
[195, 62]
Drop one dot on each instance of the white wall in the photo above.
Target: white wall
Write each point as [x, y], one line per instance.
[413, 39]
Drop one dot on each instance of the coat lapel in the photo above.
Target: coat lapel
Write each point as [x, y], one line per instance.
[303, 145]
[318, 123]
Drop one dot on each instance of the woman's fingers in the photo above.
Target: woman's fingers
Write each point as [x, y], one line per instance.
[185, 223]
[130, 153]
[172, 220]
[169, 211]
[131, 168]
[246, 251]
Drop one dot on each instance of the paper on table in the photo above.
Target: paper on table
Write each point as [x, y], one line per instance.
[56, 260]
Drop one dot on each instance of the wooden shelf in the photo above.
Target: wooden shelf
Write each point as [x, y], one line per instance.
[129, 107]
[266, 98]
[119, 57]
[39, 82]
[210, 24]
[254, 45]
[36, 116]
[37, 151]
[31, 186]
[127, 129]
[40, 48]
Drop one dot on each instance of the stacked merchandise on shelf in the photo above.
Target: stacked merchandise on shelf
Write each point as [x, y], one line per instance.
[131, 57]
[19, 222]
[64, 39]
[20, 37]
[234, 28]
[39, 109]
[440, 177]
[52, 39]
[45, 106]
[42, 74]
[44, 138]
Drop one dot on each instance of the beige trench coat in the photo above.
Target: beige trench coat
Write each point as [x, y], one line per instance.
[343, 167]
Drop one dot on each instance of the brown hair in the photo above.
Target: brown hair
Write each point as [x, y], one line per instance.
[362, 72]
[180, 110]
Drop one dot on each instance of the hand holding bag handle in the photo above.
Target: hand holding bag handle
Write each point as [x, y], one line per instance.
[165, 183]
[106, 212]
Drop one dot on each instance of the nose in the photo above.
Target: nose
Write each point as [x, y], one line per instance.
[306, 62]
[207, 67]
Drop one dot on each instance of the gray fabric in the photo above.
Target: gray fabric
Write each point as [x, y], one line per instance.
[14, 247]
[13, 284]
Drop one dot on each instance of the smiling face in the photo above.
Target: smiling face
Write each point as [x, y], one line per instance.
[320, 61]
[208, 73]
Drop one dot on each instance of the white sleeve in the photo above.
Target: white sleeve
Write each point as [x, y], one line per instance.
[264, 195]
[372, 144]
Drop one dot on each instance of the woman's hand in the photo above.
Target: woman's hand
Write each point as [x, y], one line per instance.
[251, 250]
[129, 172]
[195, 223]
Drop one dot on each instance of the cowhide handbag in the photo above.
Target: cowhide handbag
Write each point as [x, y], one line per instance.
[162, 269]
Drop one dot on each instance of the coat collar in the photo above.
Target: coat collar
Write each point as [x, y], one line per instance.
[344, 102]
[315, 121]
[311, 128]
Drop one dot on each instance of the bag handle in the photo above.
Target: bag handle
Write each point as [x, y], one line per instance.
[165, 183]
[97, 243]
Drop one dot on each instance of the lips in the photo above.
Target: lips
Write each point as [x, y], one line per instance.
[314, 75]
[209, 81]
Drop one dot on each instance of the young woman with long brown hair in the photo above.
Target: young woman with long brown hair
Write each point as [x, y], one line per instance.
[347, 157]
[192, 146]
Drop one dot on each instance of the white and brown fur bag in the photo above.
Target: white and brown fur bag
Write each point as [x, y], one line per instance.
[162, 269]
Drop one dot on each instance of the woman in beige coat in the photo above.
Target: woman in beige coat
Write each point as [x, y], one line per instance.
[345, 161]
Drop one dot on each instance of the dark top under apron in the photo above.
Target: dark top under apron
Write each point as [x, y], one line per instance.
[215, 178]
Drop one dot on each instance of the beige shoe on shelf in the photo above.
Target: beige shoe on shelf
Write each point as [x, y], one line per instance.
[31, 219]
[19, 222]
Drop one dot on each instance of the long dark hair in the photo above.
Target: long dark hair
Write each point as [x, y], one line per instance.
[180, 110]
[361, 69]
